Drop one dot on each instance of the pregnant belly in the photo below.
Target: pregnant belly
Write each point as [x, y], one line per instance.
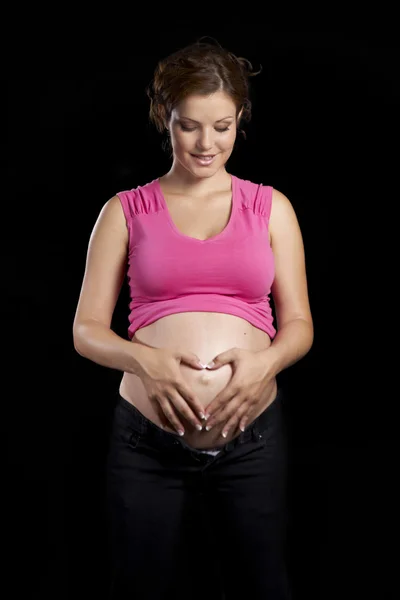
[205, 334]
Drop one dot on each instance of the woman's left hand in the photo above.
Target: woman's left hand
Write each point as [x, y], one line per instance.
[251, 379]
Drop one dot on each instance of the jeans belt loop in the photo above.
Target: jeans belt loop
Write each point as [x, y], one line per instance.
[143, 426]
[229, 446]
[255, 433]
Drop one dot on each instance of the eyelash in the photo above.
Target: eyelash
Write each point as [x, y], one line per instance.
[193, 128]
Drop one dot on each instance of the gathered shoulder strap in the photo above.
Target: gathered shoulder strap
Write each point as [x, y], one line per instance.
[263, 201]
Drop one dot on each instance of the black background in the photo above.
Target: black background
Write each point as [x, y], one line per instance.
[324, 132]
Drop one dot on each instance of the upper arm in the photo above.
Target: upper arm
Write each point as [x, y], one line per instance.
[105, 265]
[289, 289]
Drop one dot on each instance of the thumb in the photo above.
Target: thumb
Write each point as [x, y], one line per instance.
[221, 359]
[192, 360]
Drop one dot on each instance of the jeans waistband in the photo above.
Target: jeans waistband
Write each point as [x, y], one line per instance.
[138, 423]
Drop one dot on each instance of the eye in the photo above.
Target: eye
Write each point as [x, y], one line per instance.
[187, 128]
[193, 128]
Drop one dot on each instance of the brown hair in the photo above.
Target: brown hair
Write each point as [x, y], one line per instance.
[199, 68]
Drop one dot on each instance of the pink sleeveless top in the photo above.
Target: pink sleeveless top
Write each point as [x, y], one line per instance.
[169, 272]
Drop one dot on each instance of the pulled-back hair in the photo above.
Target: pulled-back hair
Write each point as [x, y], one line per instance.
[200, 68]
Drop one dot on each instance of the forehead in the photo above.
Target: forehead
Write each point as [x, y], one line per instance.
[211, 104]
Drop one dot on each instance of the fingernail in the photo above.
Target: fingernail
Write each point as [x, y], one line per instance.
[199, 427]
[202, 416]
[181, 432]
[210, 365]
[207, 416]
[224, 434]
[208, 427]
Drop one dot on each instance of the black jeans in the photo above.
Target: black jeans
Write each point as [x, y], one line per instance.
[188, 525]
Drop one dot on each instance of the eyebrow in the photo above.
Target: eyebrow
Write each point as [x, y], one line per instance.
[219, 120]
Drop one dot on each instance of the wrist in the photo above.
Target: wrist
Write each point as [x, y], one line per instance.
[272, 361]
[138, 353]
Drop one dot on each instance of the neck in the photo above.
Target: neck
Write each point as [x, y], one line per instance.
[181, 179]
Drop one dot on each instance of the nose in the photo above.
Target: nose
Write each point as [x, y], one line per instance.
[204, 141]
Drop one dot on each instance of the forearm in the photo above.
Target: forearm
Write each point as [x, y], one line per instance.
[291, 343]
[97, 342]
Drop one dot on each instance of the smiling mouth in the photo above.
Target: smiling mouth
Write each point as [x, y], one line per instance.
[204, 155]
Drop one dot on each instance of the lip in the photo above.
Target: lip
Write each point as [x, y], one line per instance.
[201, 162]
[203, 155]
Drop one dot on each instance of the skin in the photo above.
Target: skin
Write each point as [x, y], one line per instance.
[205, 136]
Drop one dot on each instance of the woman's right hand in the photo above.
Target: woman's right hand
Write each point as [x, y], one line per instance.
[164, 384]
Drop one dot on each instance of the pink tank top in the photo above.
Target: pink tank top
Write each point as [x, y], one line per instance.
[169, 272]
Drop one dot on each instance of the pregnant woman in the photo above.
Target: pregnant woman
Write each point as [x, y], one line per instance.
[197, 455]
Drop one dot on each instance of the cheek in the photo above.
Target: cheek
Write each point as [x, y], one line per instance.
[181, 143]
[228, 142]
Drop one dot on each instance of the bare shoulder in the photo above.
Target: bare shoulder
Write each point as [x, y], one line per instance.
[112, 216]
[283, 216]
[281, 205]
[105, 265]
[289, 289]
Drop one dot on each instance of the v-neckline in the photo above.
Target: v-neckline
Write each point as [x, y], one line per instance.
[216, 237]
